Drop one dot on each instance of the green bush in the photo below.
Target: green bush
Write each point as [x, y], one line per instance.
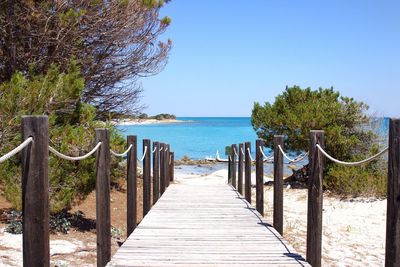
[347, 136]
[356, 181]
[71, 129]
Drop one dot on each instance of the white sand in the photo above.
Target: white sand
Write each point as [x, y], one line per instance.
[144, 121]
[11, 249]
[353, 230]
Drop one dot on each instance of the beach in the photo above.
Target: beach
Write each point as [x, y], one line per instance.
[353, 228]
[124, 122]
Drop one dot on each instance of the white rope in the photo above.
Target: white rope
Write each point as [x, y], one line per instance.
[300, 158]
[161, 149]
[75, 158]
[123, 154]
[234, 151]
[154, 150]
[16, 150]
[144, 154]
[297, 159]
[166, 149]
[352, 163]
[248, 151]
[170, 159]
[263, 154]
[241, 150]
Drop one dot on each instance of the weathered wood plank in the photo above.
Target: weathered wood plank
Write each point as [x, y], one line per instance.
[247, 172]
[259, 177]
[240, 169]
[35, 192]
[393, 197]
[315, 198]
[156, 172]
[234, 167]
[131, 202]
[146, 176]
[278, 184]
[204, 225]
[103, 206]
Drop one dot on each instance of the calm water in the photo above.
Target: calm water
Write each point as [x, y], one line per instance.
[201, 137]
[196, 137]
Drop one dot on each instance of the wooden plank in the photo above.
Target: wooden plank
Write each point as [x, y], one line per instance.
[35, 192]
[315, 198]
[172, 166]
[233, 157]
[166, 163]
[204, 225]
[162, 169]
[131, 201]
[156, 171]
[146, 176]
[247, 172]
[392, 257]
[103, 215]
[278, 184]
[259, 177]
[240, 169]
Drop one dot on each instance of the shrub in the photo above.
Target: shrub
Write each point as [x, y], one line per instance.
[71, 129]
[297, 111]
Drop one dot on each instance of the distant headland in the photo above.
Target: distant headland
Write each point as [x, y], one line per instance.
[143, 119]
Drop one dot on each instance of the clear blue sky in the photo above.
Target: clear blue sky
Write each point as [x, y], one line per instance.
[228, 54]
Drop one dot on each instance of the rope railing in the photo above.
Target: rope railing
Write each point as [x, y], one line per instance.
[154, 150]
[268, 159]
[66, 157]
[297, 159]
[123, 154]
[16, 150]
[356, 163]
[248, 151]
[234, 151]
[241, 151]
[144, 154]
[161, 149]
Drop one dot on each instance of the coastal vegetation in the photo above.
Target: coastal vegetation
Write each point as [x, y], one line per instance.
[347, 136]
[161, 116]
[72, 61]
[115, 42]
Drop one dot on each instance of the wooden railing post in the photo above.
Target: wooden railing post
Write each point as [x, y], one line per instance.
[35, 192]
[166, 161]
[247, 172]
[103, 215]
[162, 168]
[229, 170]
[278, 184]
[156, 171]
[131, 201]
[315, 199]
[259, 177]
[392, 255]
[146, 176]
[233, 156]
[240, 169]
[171, 167]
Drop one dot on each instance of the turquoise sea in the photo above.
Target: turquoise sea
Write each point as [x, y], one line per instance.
[199, 137]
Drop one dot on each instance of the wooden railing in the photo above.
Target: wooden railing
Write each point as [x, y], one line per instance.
[317, 157]
[35, 187]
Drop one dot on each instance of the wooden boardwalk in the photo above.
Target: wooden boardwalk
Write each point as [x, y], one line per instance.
[204, 225]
